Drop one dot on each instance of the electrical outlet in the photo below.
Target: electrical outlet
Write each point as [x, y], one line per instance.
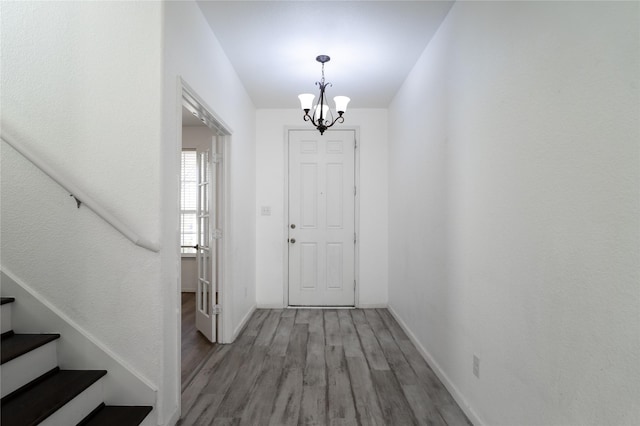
[265, 210]
[476, 366]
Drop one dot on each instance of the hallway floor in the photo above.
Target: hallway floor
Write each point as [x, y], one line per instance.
[318, 367]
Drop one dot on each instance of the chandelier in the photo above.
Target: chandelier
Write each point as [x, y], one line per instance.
[322, 117]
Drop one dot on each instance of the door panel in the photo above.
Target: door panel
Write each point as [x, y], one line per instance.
[321, 218]
[206, 252]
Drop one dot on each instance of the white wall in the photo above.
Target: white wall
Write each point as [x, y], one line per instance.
[192, 51]
[81, 87]
[193, 137]
[270, 190]
[514, 210]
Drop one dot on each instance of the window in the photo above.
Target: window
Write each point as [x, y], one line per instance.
[188, 200]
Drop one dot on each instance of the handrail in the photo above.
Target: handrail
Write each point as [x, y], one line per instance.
[79, 195]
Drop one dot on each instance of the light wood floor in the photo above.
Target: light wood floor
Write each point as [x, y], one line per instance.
[318, 367]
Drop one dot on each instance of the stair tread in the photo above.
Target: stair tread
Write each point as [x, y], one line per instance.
[14, 345]
[4, 300]
[32, 404]
[121, 415]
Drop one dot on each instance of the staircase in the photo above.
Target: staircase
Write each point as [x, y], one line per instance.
[36, 391]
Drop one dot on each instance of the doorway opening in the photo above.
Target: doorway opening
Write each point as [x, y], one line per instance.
[203, 232]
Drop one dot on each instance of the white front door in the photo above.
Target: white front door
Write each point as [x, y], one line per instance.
[321, 218]
[206, 253]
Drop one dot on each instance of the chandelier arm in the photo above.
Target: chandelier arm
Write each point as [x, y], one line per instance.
[339, 119]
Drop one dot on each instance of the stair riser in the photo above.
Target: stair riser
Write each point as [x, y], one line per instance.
[25, 368]
[5, 318]
[78, 408]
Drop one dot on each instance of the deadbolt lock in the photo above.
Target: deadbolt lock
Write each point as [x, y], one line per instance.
[293, 226]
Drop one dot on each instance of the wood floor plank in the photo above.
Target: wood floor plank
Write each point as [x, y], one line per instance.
[221, 421]
[340, 400]
[281, 338]
[374, 320]
[365, 398]
[203, 411]
[196, 387]
[342, 422]
[358, 317]
[394, 356]
[236, 397]
[296, 356]
[313, 410]
[259, 402]
[392, 325]
[255, 322]
[446, 405]
[268, 328]
[288, 313]
[316, 321]
[423, 407]
[315, 371]
[286, 409]
[350, 340]
[225, 372]
[302, 316]
[371, 347]
[332, 328]
[395, 408]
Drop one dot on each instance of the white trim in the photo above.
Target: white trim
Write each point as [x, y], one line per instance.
[453, 390]
[243, 322]
[356, 262]
[270, 306]
[372, 306]
[77, 193]
[333, 308]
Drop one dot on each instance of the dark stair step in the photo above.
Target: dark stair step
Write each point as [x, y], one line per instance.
[14, 345]
[37, 400]
[4, 300]
[110, 415]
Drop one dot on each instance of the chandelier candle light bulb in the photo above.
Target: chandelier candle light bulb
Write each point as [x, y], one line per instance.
[321, 112]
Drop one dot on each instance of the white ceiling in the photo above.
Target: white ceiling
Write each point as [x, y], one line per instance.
[373, 45]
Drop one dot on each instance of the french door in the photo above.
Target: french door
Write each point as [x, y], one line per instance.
[206, 291]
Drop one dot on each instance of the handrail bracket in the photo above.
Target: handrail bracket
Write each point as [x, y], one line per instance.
[78, 202]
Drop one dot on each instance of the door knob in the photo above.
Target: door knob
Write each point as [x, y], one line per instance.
[293, 241]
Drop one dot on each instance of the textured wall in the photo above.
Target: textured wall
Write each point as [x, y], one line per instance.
[81, 87]
[514, 209]
[191, 51]
[270, 189]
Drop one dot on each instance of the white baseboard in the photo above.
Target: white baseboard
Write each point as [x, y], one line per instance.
[243, 322]
[78, 349]
[371, 306]
[270, 306]
[173, 419]
[453, 390]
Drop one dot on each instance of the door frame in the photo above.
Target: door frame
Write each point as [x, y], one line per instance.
[285, 225]
[223, 133]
